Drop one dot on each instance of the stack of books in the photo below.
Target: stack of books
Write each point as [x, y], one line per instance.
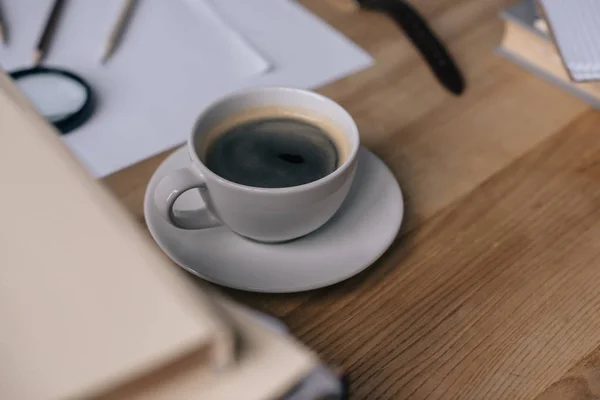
[91, 309]
[529, 40]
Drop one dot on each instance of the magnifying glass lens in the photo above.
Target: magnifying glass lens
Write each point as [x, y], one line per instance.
[54, 96]
[63, 98]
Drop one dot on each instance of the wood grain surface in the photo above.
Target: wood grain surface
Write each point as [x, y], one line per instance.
[492, 290]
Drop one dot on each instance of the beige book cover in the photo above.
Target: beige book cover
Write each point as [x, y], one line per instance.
[267, 367]
[91, 309]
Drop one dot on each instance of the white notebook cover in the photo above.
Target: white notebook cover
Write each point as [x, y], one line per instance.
[575, 27]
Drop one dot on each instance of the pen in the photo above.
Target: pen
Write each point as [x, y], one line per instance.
[44, 42]
[2, 28]
[118, 29]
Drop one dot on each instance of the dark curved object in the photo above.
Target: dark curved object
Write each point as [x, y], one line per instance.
[78, 117]
[431, 48]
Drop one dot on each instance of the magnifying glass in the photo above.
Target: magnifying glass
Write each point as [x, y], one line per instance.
[62, 97]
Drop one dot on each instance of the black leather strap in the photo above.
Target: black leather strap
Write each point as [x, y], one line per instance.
[431, 48]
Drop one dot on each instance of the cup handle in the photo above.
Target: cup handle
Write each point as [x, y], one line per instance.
[168, 190]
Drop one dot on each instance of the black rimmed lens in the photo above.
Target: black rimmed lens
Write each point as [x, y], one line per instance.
[62, 97]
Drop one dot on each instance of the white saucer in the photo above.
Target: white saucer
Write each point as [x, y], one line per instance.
[356, 236]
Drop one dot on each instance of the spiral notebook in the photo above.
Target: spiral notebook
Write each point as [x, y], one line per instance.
[575, 27]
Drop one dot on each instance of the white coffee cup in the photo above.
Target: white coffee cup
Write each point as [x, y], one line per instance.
[263, 214]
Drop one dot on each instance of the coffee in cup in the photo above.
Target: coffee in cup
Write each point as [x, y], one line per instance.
[271, 164]
[274, 147]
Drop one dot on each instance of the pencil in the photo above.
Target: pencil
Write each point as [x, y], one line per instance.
[44, 42]
[118, 29]
[2, 28]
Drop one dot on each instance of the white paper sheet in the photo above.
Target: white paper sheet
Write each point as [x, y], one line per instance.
[304, 51]
[176, 58]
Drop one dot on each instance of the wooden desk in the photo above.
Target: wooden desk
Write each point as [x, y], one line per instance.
[492, 291]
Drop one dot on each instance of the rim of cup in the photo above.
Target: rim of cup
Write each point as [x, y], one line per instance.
[353, 133]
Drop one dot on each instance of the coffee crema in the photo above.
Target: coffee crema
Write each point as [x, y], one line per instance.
[274, 150]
